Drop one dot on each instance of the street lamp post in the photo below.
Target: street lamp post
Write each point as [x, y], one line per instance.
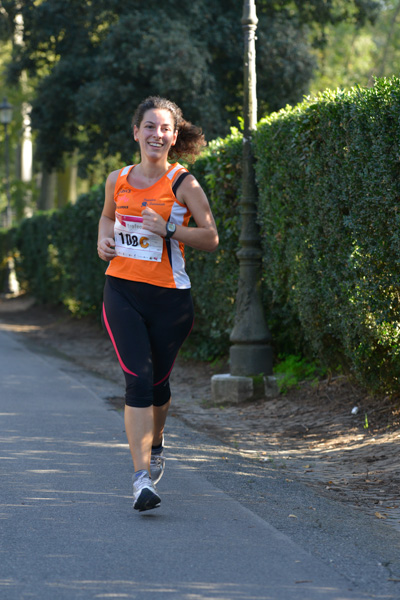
[250, 353]
[5, 119]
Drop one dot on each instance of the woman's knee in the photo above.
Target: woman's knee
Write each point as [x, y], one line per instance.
[161, 394]
[138, 396]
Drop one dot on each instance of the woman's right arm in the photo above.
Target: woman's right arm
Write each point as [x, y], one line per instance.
[105, 239]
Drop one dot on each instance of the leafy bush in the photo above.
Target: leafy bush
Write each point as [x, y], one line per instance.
[328, 173]
[214, 275]
[293, 370]
[56, 258]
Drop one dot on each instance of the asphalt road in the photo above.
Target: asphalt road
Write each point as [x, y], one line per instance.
[228, 528]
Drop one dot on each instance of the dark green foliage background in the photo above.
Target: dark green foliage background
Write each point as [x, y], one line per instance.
[328, 174]
[108, 53]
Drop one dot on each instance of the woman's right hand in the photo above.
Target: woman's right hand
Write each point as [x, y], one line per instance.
[106, 249]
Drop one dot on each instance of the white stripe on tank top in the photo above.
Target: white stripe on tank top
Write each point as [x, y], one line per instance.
[180, 276]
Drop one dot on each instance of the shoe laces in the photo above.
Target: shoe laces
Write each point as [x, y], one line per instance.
[157, 460]
[142, 482]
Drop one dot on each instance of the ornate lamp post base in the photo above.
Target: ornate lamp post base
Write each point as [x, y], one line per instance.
[250, 359]
[250, 352]
[234, 389]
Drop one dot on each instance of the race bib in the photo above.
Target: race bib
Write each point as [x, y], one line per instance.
[132, 241]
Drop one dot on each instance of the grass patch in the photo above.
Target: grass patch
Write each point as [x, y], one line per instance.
[293, 369]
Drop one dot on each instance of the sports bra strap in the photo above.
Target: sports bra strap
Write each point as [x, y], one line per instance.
[178, 181]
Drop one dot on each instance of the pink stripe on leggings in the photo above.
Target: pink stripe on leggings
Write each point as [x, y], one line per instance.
[123, 366]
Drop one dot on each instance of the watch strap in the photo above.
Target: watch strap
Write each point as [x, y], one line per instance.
[169, 233]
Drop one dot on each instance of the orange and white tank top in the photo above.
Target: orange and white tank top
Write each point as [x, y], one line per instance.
[142, 255]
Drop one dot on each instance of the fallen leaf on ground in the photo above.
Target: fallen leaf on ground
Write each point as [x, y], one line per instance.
[379, 515]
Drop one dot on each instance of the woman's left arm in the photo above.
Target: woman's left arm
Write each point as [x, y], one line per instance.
[202, 237]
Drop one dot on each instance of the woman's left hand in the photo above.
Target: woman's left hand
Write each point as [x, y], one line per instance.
[153, 222]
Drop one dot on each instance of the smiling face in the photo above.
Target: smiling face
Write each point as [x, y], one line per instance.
[156, 133]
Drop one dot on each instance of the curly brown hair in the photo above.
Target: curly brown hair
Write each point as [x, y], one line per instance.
[190, 140]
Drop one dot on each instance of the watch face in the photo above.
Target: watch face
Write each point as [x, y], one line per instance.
[171, 226]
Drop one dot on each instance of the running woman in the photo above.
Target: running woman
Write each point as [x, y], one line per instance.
[147, 309]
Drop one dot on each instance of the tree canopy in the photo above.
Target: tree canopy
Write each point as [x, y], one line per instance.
[95, 60]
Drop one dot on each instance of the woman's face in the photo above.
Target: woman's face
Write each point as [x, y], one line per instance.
[156, 133]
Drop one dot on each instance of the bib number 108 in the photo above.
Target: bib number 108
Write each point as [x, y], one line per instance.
[133, 240]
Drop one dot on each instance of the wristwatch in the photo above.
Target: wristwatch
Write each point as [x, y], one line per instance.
[171, 228]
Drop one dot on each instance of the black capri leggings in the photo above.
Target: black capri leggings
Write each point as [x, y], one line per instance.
[147, 325]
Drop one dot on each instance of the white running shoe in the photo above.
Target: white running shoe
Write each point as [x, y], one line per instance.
[157, 467]
[157, 464]
[145, 496]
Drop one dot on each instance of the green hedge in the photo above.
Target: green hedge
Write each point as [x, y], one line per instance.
[214, 275]
[56, 258]
[328, 174]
